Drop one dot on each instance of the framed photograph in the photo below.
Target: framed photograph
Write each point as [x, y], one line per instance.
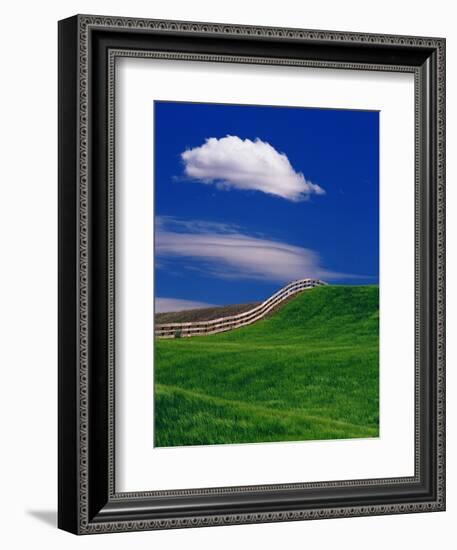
[251, 274]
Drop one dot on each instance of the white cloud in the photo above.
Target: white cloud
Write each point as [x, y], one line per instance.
[164, 305]
[235, 163]
[229, 253]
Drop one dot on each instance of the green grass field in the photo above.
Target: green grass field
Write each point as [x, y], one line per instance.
[309, 371]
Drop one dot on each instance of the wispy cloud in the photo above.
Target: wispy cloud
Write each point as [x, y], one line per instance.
[233, 163]
[226, 251]
[164, 305]
[194, 226]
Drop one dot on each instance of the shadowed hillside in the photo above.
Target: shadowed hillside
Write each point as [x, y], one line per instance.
[309, 371]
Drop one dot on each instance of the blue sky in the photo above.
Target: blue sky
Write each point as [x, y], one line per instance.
[248, 198]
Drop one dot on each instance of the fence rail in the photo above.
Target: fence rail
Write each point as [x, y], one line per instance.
[223, 324]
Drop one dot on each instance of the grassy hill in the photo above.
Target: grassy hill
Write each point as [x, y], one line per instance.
[310, 371]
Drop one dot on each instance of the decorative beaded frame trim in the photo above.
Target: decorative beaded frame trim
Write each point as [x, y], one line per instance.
[90, 22]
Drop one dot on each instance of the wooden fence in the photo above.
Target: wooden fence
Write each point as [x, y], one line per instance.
[202, 328]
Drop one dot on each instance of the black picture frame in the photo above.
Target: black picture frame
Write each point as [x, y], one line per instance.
[88, 502]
